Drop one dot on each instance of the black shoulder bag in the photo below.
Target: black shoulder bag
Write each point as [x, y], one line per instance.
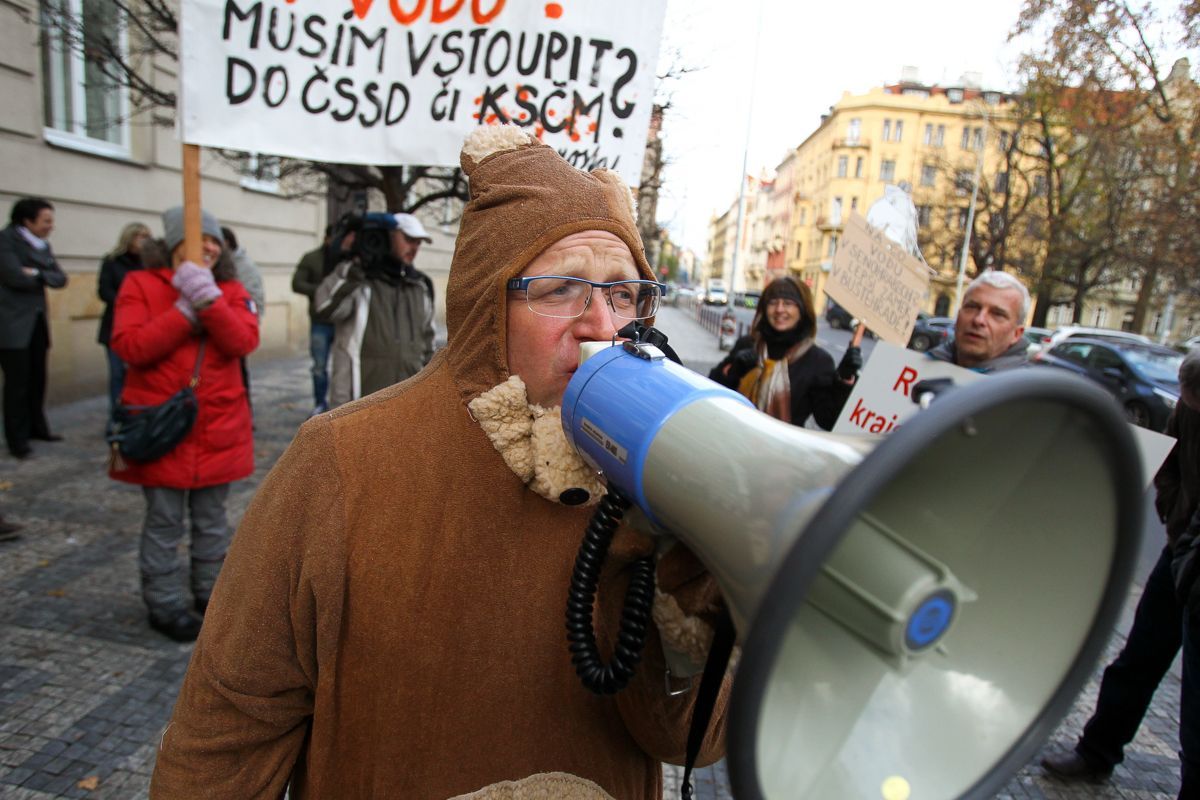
[147, 433]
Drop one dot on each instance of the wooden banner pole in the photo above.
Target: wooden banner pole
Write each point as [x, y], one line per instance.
[858, 335]
[191, 204]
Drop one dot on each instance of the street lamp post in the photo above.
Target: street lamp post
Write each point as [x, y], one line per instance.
[737, 235]
[970, 228]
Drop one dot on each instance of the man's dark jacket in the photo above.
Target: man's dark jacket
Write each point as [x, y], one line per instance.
[23, 297]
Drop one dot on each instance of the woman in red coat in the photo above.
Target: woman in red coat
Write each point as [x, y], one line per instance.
[163, 316]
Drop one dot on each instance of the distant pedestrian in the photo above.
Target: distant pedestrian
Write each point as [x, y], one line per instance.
[123, 259]
[173, 321]
[382, 308]
[1159, 628]
[27, 267]
[250, 276]
[780, 367]
[248, 273]
[312, 269]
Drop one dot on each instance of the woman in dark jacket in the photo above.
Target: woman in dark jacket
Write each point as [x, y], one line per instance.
[779, 365]
[124, 258]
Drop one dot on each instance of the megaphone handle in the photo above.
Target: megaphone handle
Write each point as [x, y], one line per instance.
[706, 698]
[597, 676]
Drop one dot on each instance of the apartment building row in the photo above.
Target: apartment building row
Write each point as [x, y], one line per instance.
[937, 142]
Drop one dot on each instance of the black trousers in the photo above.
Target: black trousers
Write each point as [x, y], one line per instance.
[25, 389]
[1129, 682]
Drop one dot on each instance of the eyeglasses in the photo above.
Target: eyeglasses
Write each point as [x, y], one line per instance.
[782, 301]
[565, 298]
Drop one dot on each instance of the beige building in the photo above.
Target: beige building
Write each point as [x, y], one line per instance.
[933, 140]
[67, 134]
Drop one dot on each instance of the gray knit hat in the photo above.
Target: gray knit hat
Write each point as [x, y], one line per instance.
[172, 220]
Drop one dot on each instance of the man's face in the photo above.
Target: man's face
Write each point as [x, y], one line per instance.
[210, 251]
[42, 225]
[988, 324]
[404, 247]
[544, 351]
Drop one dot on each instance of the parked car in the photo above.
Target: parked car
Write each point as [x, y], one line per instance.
[715, 294]
[838, 317]
[1188, 345]
[929, 332]
[746, 299]
[1038, 339]
[1144, 378]
[1073, 331]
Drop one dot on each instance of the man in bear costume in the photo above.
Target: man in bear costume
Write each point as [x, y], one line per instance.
[390, 619]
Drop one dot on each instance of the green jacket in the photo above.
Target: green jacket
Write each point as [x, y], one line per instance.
[308, 276]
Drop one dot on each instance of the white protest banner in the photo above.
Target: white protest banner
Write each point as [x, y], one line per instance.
[877, 281]
[882, 399]
[404, 81]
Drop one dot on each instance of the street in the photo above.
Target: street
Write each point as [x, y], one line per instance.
[86, 687]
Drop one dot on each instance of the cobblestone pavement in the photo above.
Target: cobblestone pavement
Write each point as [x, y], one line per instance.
[86, 686]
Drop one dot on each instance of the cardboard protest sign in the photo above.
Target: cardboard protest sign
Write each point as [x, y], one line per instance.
[882, 399]
[877, 281]
[404, 81]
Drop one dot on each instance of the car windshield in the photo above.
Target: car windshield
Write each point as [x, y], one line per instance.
[1157, 365]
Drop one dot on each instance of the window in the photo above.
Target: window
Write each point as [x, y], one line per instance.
[924, 215]
[799, 247]
[835, 211]
[966, 138]
[963, 181]
[887, 171]
[83, 106]
[858, 167]
[887, 130]
[977, 139]
[833, 243]
[854, 132]
[853, 203]
[261, 173]
[1039, 185]
[803, 215]
[928, 138]
[1001, 182]
[954, 95]
[940, 139]
[1004, 141]
[899, 131]
[843, 165]
[928, 175]
[1100, 318]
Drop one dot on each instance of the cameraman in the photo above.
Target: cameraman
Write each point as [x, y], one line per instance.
[381, 307]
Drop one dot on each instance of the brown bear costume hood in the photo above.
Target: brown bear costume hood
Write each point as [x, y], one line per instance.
[524, 198]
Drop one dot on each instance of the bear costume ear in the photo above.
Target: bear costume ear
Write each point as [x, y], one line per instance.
[489, 140]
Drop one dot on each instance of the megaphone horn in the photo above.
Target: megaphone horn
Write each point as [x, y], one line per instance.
[915, 617]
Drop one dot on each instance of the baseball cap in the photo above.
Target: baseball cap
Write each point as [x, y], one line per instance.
[411, 227]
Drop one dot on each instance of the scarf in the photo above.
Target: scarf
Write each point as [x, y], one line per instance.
[769, 385]
[36, 242]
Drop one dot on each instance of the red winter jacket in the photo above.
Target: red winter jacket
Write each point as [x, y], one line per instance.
[158, 345]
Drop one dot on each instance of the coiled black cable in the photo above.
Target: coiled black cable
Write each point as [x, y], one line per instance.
[597, 676]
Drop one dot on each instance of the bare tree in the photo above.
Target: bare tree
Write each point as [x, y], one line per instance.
[1107, 53]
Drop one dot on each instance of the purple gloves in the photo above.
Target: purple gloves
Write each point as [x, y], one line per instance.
[197, 289]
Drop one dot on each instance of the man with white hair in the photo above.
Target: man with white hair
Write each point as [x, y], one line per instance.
[988, 332]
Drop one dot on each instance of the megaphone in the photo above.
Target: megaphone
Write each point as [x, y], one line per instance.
[915, 616]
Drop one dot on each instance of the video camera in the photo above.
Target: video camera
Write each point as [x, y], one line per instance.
[371, 244]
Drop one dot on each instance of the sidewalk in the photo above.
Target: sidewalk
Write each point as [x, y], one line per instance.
[86, 687]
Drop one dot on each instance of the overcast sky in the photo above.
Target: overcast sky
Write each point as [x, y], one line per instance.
[809, 53]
